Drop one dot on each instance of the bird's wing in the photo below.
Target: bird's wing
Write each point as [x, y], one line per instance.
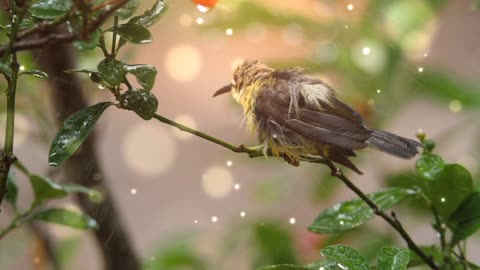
[332, 126]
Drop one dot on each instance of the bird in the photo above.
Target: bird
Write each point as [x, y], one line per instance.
[298, 117]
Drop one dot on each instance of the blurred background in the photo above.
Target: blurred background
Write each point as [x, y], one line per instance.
[404, 65]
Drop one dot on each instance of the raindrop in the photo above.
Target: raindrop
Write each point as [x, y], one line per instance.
[442, 199]
[379, 91]
[420, 69]
[202, 8]
[200, 20]
[133, 191]
[242, 214]
[366, 50]
[229, 31]
[22, 68]
[341, 222]
[350, 7]
[214, 219]
[196, 221]
[292, 220]
[101, 87]
[229, 163]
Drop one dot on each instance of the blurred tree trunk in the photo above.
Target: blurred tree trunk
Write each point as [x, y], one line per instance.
[84, 167]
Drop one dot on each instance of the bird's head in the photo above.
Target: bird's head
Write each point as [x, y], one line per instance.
[245, 76]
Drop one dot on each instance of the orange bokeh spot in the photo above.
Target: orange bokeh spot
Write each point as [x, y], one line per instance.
[206, 3]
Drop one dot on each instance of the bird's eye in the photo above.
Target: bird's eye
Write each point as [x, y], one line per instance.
[235, 78]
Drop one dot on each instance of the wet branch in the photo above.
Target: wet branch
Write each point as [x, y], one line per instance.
[336, 172]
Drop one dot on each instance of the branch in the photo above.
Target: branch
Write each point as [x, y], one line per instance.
[255, 152]
[54, 39]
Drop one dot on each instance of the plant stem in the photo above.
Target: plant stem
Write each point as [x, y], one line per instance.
[114, 37]
[253, 152]
[16, 222]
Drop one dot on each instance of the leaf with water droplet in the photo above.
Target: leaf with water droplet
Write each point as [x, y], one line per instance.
[90, 42]
[466, 219]
[144, 103]
[45, 189]
[353, 213]
[35, 73]
[145, 75]
[151, 16]
[112, 71]
[50, 9]
[346, 256]
[67, 218]
[132, 32]
[449, 188]
[428, 165]
[94, 195]
[323, 264]
[393, 258]
[74, 131]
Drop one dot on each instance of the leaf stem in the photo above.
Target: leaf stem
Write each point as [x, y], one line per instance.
[114, 37]
[16, 222]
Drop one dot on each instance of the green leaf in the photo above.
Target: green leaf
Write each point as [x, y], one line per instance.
[86, 71]
[45, 189]
[284, 267]
[12, 188]
[112, 71]
[393, 258]
[145, 75]
[128, 9]
[94, 195]
[50, 9]
[428, 165]
[450, 187]
[152, 15]
[144, 103]
[35, 73]
[132, 32]
[74, 131]
[90, 43]
[431, 251]
[5, 69]
[466, 219]
[346, 256]
[353, 213]
[325, 264]
[67, 217]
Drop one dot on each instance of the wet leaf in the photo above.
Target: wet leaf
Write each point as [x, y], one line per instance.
[429, 165]
[450, 187]
[94, 195]
[90, 43]
[353, 213]
[346, 256]
[152, 15]
[66, 217]
[145, 75]
[144, 103]
[134, 33]
[112, 71]
[128, 9]
[5, 70]
[393, 258]
[86, 71]
[35, 73]
[45, 189]
[50, 9]
[431, 251]
[12, 188]
[466, 219]
[74, 131]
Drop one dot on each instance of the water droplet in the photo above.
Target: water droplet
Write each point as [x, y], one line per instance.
[442, 199]
[102, 87]
[242, 214]
[455, 106]
[229, 31]
[292, 220]
[196, 221]
[350, 7]
[133, 191]
[341, 249]
[366, 50]
[214, 219]
[22, 68]
[379, 91]
[341, 222]
[236, 186]
[202, 8]
[229, 163]
[200, 20]
[420, 69]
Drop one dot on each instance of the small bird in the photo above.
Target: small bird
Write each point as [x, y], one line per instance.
[298, 117]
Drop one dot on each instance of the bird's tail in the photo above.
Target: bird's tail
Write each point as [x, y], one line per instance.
[393, 144]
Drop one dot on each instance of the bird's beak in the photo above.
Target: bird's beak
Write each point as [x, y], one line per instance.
[227, 88]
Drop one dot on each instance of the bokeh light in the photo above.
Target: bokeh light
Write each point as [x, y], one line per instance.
[217, 182]
[183, 62]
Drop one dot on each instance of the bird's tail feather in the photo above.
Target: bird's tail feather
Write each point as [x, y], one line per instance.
[393, 144]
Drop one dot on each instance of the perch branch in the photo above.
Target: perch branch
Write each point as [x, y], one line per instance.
[252, 152]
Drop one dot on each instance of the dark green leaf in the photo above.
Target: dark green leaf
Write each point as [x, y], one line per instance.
[50, 9]
[112, 71]
[145, 75]
[325, 264]
[450, 187]
[86, 71]
[431, 251]
[67, 217]
[350, 214]
[151, 16]
[393, 258]
[466, 219]
[94, 195]
[348, 257]
[134, 33]
[144, 103]
[45, 189]
[429, 165]
[35, 73]
[176, 256]
[90, 43]
[128, 9]
[12, 188]
[74, 131]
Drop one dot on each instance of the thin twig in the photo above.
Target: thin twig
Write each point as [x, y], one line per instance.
[254, 152]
